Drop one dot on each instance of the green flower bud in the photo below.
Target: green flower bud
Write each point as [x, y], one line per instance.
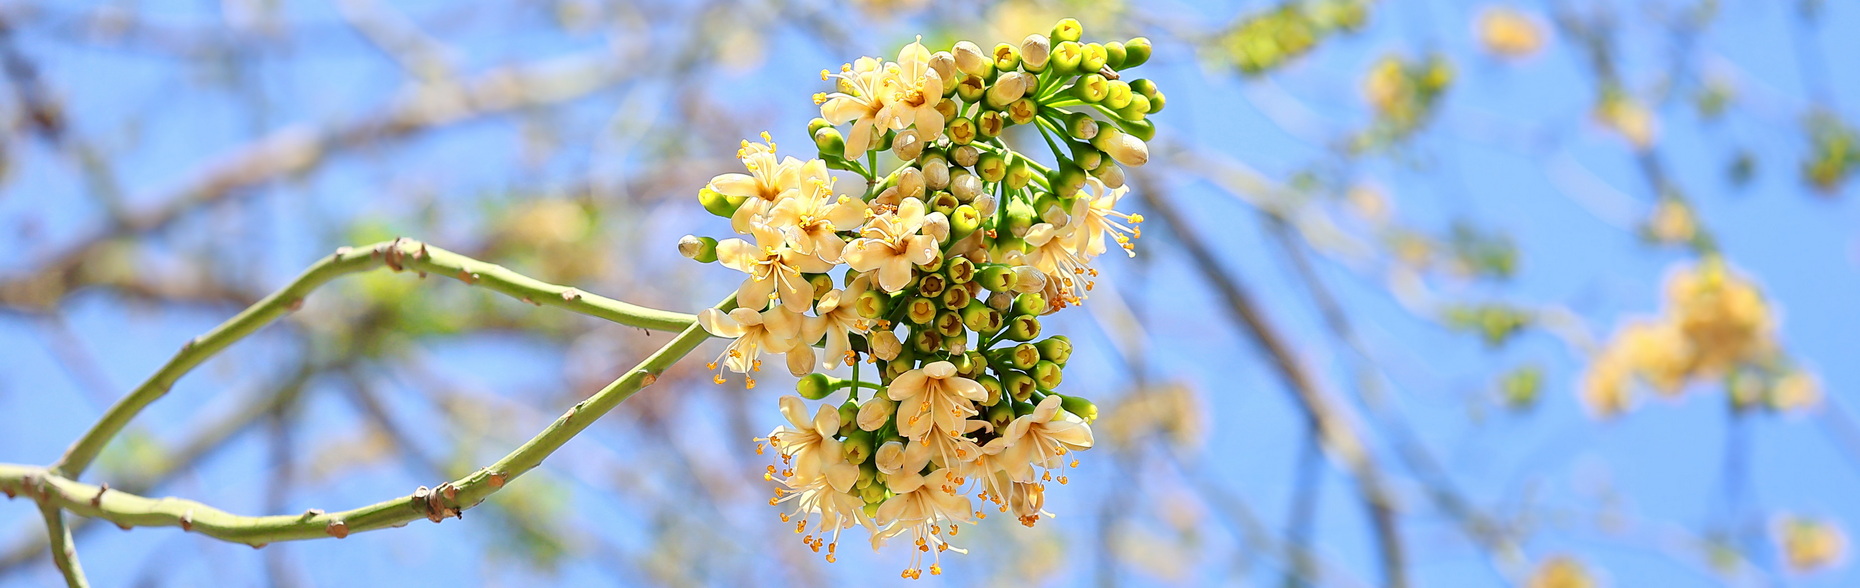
[1156, 104]
[814, 126]
[920, 311]
[1023, 328]
[857, 446]
[944, 202]
[992, 166]
[872, 304]
[831, 144]
[957, 298]
[963, 222]
[1001, 301]
[932, 285]
[849, 418]
[873, 495]
[1094, 58]
[992, 385]
[1023, 111]
[964, 366]
[719, 204]
[1019, 174]
[1137, 109]
[1123, 147]
[936, 263]
[970, 89]
[1007, 57]
[1092, 88]
[1020, 357]
[1030, 303]
[1143, 86]
[1117, 94]
[700, 249]
[1136, 52]
[1000, 414]
[1047, 375]
[1018, 385]
[978, 317]
[1020, 217]
[989, 124]
[962, 131]
[814, 386]
[949, 324]
[926, 341]
[822, 284]
[1068, 178]
[1114, 55]
[868, 476]
[996, 277]
[1111, 174]
[1087, 157]
[896, 368]
[1004, 245]
[1081, 126]
[1056, 349]
[1068, 29]
[1141, 129]
[1066, 58]
[1079, 406]
[960, 270]
[1024, 407]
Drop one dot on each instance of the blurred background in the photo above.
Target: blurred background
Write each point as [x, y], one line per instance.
[1567, 286]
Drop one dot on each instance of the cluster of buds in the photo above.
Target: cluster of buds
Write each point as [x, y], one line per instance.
[935, 274]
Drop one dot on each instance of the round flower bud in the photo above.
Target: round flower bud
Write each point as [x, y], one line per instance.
[1117, 94]
[1029, 279]
[907, 146]
[1137, 109]
[1156, 102]
[936, 225]
[1081, 126]
[857, 446]
[885, 345]
[1020, 357]
[1068, 178]
[1112, 175]
[1056, 349]
[872, 304]
[702, 249]
[971, 60]
[1023, 111]
[1123, 147]
[1093, 58]
[849, 416]
[944, 64]
[926, 341]
[920, 311]
[1087, 157]
[1136, 52]
[1008, 88]
[962, 223]
[978, 317]
[931, 286]
[997, 278]
[1091, 88]
[876, 411]
[718, 204]
[1006, 57]
[992, 166]
[1034, 51]
[943, 203]
[911, 183]
[830, 143]
[970, 89]
[985, 204]
[936, 262]
[1019, 174]
[1000, 413]
[960, 270]
[1114, 55]
[814, 126]
[1023, 328]
[1047, 375]
[957, 298]
[814, 386]
[992, 386]
[962, 131]
[1018, 385]
[990, 123]
[1030, 303]
[1143, 86]
[1068, 29]
[965, 155]
[1066, 58]
[949, 325]
[936, 173]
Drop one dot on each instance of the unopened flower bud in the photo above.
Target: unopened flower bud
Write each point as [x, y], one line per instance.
[944, 64]
[1091, 88]
[931, 285]
[911, 183]
[962, 223]
[849, 418]
[965, 155]
[1081, 126]
[857, 446]
[1068, 29]
[1068, 178]
[978, 317]
[907, 146]
[1018, 385]
[970, 89]
[830, 143]
[985, 204]
[1137, 109]
[1081, 407]
[962, 131]
[814, 386]
[1056, 349]
[990, 123]
[1034, 51]
[970, 59]
[1093, 57]
[996, 277]
[1020, 357]
[1023, 328]
[1117, 94]
[949, 325]
[1030, 303]
[992, 386]
[701, 249]
[920, 311]
[1114, 55]
[992, 166]
[1111, 174]
[875, 412]
[1047, 375]
[1008, 88]
[872, 304]
[936, 225]
[936, 173]
[1066, 58]
[943, 203]
[1006, 57]
[1029, 279]
[1023, 111]
[885, 345]
[1123, 147]
[957, 297]
[1018, 174]
[1136, 52]
[718, 204]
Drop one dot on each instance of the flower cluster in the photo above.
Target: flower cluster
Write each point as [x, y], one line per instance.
[936, 273]
[1715, 325]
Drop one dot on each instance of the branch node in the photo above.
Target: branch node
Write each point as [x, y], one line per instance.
[392, 254]
[97, 501]
[571, 294]
[259, 545]
[311, 514]
[647, 378]
[187, 521]
[531, 301]
[498, 478]
[468, 277]
[343, 251]
[295, 304]
[122, 526]
[337, 529]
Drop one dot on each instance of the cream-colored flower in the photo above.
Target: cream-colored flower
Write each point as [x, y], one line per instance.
[1028, 501]
[838, 320]
[1097, 216]
[767, 179]
[755, 333]
[773, 267]
[934, 397]
[812, 217]
[922, 511]
[914, 88]
[1050, 250]
[890, 244]
[809, 447]
[859, 100]
[1039, 439]
[839, 510]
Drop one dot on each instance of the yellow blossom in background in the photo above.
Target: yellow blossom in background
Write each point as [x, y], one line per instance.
[1561, 572]
[1672, 222]
[1723, 315]
[1507, 32]
[1795, 391]
[1171, 410]
[1810, 544]
[1629, 118]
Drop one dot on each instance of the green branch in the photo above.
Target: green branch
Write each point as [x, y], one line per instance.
[399, 254]
[64, 554]
[448, 500]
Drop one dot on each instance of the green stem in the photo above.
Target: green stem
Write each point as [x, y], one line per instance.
[398, 254]
[63, 553]
[55, 491]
